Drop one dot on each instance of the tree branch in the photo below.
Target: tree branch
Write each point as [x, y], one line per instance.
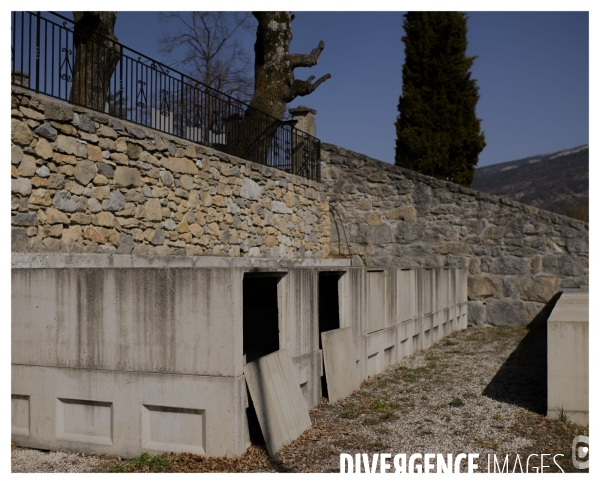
[306, 60]
[303, 88]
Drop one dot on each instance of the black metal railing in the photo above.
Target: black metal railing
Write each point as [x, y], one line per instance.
[107, 76]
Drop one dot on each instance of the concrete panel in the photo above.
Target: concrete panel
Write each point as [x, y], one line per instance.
[84, 421]
[339, 355]
[19, 414]
[309, 369]
[419, 292]
[568, 358]
[429, 292]
[277, 398]
[352, 297]
[405, 349]
[127, 413]
[300, 317]
[377, 344]
[406, 294]
[360, 344]
[452, 297]
[391, 293]
[461, 285]
[174, 429]
[407, 329]
[185, 321]
[445, 288]
[376, 300]
[417, 343]
[439, 289]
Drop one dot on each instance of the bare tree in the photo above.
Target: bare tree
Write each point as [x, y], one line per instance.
[96, 57]
[207, 48]
[274, 82]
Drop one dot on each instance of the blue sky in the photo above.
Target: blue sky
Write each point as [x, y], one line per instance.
[532, 70]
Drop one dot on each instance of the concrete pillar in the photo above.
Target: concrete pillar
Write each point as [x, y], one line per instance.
[305, 119]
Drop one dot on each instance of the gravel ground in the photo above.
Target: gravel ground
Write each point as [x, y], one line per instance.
[481, 391]
[31, 460]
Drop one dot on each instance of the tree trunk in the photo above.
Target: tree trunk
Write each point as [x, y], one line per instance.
[96, 57]
[274, 83]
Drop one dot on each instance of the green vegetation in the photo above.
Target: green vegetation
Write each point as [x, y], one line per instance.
[144, 463]
[438, 133]
[563, 416]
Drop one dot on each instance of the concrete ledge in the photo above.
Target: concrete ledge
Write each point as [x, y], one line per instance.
[58, 260]
[568, 357]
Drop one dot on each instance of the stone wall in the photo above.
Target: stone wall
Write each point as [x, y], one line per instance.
[83, 181]
[518, 256]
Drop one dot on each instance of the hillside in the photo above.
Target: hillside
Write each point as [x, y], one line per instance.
[558, 182]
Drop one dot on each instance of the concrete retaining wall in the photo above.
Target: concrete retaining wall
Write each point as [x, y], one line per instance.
[517, 256]
[111, 358]
[83, 181]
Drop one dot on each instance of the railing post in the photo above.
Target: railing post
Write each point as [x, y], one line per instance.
[182, 132]
[37, 54]
[121, 82]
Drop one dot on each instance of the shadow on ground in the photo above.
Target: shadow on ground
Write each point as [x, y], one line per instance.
[523, 378]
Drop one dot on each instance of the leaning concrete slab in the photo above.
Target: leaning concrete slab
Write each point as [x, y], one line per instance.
[339, 355]
[568, 357]
[277, 398]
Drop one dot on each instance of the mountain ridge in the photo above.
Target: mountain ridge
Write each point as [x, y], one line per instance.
[556, 181]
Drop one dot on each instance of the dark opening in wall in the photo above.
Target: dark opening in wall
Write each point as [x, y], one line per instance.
[260, 330]
[329, 310]
[261, 315]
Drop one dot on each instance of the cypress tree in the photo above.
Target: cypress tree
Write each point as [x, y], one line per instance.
[438, 133]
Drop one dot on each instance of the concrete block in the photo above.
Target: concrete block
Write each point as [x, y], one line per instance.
[277, 398]
[568, 357]
[339, 355]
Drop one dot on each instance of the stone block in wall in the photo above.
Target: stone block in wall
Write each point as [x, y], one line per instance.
[407, 213]
[505, 265]
[540, 289]
[476, 313]
[58, 111]
[562, 264]
[512, 286]
[483, 286]
[407, 232]
[509, 312]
